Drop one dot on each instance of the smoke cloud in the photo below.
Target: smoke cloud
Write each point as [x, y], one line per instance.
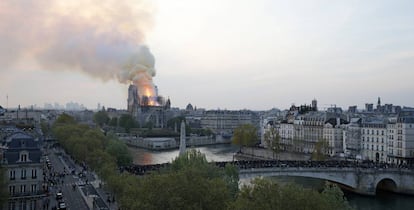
[101, 38]
[140, 69]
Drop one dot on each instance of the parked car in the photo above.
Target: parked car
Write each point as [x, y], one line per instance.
[61, 205]
[59, 196]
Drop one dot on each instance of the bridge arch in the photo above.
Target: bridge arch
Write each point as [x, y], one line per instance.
[386, 184]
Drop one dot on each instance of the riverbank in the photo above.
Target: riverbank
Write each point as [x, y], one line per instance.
[257, 153]
[161, 144]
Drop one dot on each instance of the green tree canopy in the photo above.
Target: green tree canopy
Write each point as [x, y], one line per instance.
[190, 183]
[272, 139]
[119, 150]
[264, 194]
[113, 122]
[127, 122]
[102, 153]
[65, 119]
[245, 135]
[101, 118]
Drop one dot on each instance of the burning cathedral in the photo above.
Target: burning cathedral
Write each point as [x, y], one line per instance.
[144, 103]
[148, 109]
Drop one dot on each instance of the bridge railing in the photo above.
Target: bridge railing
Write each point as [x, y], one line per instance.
[248, 164]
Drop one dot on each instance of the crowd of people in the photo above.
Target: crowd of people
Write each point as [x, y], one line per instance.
[246, 164]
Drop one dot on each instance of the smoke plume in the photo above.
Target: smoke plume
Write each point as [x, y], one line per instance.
[101, 38]
[140, 69]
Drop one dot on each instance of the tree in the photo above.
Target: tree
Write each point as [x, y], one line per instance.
[127, 122]
[119, 150]
[101, 118]
[272, 140]
[113, 122]
[65, 119]
[245, 135]
[319, 152]
[44, 126]
[264, 194]
[175, 122]
[189, 183]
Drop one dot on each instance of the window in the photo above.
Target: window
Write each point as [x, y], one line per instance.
[34, 188]
[382, 148]
[23, 174]
[23, 188]
[23, 204]
[12, 175]
[34, 173]
[33, 205]
[12, 189]
[382, 133]
[23, 157]
[12, 205]
[372, 147]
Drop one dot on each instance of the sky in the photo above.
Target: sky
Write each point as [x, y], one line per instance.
[227, 54]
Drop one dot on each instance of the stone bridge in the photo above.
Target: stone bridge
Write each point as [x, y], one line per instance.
[360, 180]
[363, 178]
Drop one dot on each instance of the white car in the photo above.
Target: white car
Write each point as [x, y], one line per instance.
[61, 205]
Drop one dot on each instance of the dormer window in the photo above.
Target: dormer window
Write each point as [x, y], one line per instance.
[24, 156]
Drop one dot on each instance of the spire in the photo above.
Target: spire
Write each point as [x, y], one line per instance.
[182, 138]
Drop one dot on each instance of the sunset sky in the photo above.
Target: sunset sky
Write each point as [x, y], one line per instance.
[228, 54]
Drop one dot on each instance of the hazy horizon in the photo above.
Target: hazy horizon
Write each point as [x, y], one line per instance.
[213, 54]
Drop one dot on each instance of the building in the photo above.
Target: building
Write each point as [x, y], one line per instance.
[369, 107]
[22, 159]
[286, 132]
[225, 121]
[352, 138]
[374, 140]
[401, 139]
[352, 109]
[333, 134]
[312, 125]
[383, 134]
[147, 109]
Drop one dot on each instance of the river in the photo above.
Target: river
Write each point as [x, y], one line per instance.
[382, 201]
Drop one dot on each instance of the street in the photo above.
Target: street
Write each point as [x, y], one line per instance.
[64, 176]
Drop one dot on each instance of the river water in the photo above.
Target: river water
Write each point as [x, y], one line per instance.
[382, 201]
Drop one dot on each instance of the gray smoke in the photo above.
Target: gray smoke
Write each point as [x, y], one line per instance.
[97, 37]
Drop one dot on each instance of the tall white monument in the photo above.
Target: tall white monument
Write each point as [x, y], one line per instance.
[182, 138]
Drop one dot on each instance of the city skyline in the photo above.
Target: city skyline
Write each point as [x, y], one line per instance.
[233, 55]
